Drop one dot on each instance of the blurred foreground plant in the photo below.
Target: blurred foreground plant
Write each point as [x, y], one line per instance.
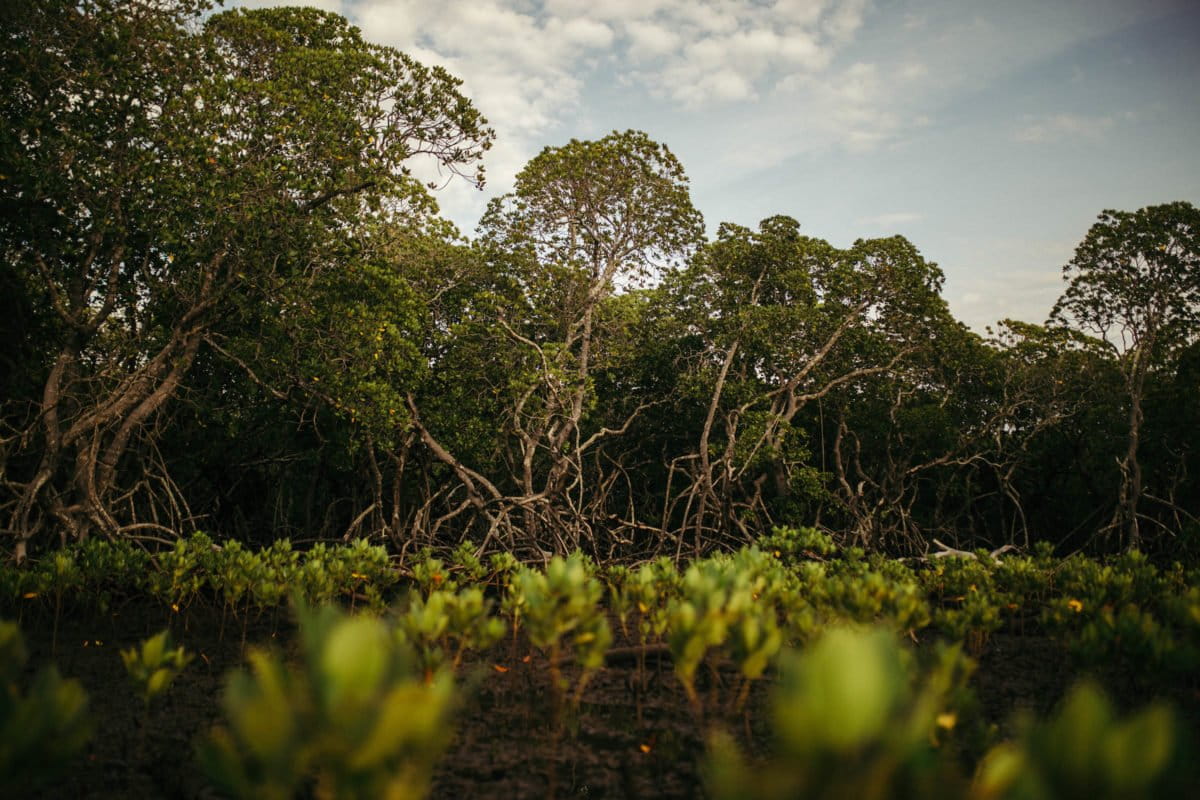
[354, 718]
[42, 730]
[852, 718]
[850, 721]
[1086, 753]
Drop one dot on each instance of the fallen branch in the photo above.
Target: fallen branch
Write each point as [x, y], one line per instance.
[954, 552]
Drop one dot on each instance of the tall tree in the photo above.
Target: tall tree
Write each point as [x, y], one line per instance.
[1060, 430]
[783, 320]
[584, 222]
[160, 176]
[941, 446]
[1135, 283]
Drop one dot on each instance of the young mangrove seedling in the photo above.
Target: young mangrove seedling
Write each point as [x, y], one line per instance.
[154, 665]
[560, 609]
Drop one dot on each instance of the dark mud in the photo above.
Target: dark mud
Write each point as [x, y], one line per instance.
[632, 736]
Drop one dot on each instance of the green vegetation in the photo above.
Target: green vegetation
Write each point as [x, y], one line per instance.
[560, 611]
[1119, 610]
[153, 666]
[852, 721]
[41, 728]
[355, 717]
[586, 434]
[1087, 751]
[368, 706]
[272, 331]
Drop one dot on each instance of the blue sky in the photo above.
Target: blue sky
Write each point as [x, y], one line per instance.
[990, 134]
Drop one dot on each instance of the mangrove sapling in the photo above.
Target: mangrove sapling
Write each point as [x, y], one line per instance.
[465, 561]
[431, 573]
[861, 594]
[616, 577]
[110, 569]
[180, 574]
[501, 566]
[718, 596]
[235, 573]
[695, 623]
[152, 667]
[731, 602]
[359, 570]
[793, 545]
[1025, 585]
[279, 566]
[66, 578]
[755, 640]
[561, 608]
[365, 572]
[472, 625]
[760, 583]
[446, 625]
[641, 592]
[973, 622]
[562, 615]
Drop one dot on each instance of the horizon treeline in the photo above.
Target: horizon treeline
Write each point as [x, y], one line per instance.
[227, 303]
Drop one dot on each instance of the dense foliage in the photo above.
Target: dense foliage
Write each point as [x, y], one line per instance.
[365, 704]
[227, 303]
[590, 433]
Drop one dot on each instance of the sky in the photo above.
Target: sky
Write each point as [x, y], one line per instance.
[990, 134]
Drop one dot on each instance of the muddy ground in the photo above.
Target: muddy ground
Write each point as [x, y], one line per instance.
[622, 743]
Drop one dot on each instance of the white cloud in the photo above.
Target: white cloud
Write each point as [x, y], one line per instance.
[1056, 127]
[521, 67]
[525, 63]
[649, 40]
[718, 86]
[610, 10]
[844, 20]
[856, 108]
[712, 19]
[801, 12]
[581, 31]
[695, 53]
[758, 45]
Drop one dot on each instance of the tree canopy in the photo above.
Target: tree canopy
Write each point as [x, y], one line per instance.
[161, 176]
[227, 302]
[1135, 283]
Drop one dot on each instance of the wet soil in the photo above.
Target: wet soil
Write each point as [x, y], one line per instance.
[633, 735]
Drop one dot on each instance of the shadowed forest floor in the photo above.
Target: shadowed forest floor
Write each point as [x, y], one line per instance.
[619, 743]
